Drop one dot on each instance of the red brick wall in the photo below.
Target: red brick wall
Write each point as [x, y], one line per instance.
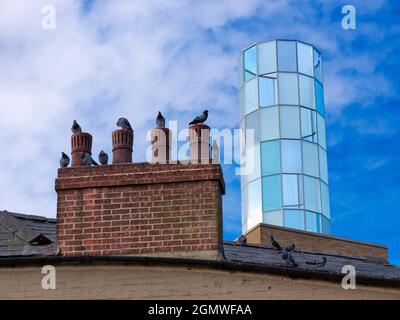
[130, 209]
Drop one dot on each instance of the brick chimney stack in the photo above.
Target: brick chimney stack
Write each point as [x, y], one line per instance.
[172, 210]
[122, 146]
[160, 145]
[80, 142]
[199, 143]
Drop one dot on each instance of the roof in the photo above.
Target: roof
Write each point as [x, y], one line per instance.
[26, 235]
[261, 256]
[26, 239]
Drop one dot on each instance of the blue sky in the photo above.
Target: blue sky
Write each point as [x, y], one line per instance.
[132, 58]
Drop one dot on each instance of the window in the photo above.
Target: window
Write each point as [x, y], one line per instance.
[291, 156]
[267, 57]
[252, 162]
[294, 219]
[312, 196]
[292, 186]
[326, 225]
[250, 63]
[254, 198]
[288, 93]
[252, 221]
[306, 86]
[317, 66]
[271, 193]
[313, 222]
[308, 125]
[323, 165]
[240, 64]
[290, 122]
[274, 217]
[287, 56]
[270, 157]
[321, 131]
[267, 91]
[310, 159]
[305, 58]
[319, 98]
[269, 123]
[253, 123]
[250, 96]
[325, 200]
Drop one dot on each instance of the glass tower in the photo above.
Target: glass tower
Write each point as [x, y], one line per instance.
[282, 101]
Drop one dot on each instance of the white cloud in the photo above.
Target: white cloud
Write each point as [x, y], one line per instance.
[132, 58]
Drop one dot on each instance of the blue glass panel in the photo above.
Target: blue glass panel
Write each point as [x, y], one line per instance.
[319, 98]
[250, 63]
[269, 123]
[294, 219]
[250, 96]
[270, 157]
[317, 66]
[291, 156]
[305, 58]
[323, 165]
[325, 200]
[312, 194]
[310, 159]
[306, 88]
[271, 190]
[253, 123]
[308, 125]
[267, 57]
[254, 198]
[273, 217]
[267, 91]
[290, 122]
[288, 88]
[291, 191]
[287, 56]
[311, 222]
[326, 225]
[321, 131]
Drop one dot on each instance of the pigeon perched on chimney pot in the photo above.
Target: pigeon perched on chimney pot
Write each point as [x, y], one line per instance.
[64, 161]
[160, 121]
[76, 128]
[201, 118]
[87, 159]
[275, 244]
[103, 158]
[123, 123]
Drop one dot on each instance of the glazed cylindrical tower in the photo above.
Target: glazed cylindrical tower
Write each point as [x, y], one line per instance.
[282, 103]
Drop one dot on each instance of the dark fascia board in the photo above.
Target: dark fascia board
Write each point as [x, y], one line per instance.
[227, 265]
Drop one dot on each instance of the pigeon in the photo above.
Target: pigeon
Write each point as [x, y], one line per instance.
[290, 261]
[87, 159]
[201, 118]
[103, 158]
[242, 240]
[76, 128]
[318, 263]
[160, 121]
[64, 161]
[288, 251]
[275, 244]
[291, 247]
[124, 124]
